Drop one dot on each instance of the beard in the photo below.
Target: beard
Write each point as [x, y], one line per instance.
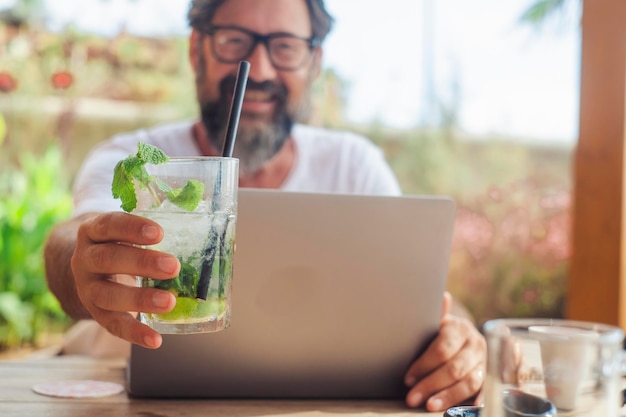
[258, 139]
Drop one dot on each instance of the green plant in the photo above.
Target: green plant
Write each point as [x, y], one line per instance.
[34, 197]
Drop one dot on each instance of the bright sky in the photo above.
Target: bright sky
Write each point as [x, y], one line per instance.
[504, 78]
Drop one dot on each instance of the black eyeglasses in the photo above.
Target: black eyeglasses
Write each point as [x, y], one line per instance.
[231, 44]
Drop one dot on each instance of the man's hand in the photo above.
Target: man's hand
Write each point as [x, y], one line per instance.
[104, 264]
[452, 368]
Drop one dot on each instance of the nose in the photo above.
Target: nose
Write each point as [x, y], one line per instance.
[261, 68]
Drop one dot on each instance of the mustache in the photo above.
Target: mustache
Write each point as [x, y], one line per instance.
[276, 90]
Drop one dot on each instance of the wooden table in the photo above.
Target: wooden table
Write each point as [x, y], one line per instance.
[18, 399]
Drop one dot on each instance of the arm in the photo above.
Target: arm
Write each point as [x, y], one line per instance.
[58, 252]
[452, 368]
[90, 261]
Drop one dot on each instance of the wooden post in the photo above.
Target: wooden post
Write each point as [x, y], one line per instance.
[597, 279]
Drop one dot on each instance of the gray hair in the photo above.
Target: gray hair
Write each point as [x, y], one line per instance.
[201, 14]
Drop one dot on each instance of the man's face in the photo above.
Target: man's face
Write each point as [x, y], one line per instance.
[274, 99]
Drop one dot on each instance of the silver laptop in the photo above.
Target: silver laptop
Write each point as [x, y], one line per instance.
[333, 296]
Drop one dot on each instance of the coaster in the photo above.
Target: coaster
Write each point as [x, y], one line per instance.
[78, 389]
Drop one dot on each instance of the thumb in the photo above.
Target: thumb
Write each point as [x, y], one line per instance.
[447, 304]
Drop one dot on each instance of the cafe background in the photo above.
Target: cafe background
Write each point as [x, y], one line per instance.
[65, 88]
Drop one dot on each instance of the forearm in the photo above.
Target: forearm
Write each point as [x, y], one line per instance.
[58, 252]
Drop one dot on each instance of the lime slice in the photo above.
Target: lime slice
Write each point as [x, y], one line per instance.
[210, 308]
[184, 308]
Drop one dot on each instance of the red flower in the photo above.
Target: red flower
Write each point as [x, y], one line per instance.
[7, 82]
[62, 79]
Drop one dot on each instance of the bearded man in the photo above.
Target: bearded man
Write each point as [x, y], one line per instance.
[91, 259]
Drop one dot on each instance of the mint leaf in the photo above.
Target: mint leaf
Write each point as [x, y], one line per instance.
[133, 168]
[149, 154]
[123, 187]
[187, 197]
[162, 185]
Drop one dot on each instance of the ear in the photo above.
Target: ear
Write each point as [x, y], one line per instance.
[194, 38]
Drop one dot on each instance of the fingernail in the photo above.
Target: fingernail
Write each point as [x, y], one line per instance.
[161, 299]
[415, 399]
[167, 264]
[434, 404]
[150, 232]
[153, 341]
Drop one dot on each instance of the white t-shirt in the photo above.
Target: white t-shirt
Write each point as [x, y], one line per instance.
[327, 161]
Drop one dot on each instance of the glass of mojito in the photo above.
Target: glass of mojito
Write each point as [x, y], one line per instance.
[194, 200]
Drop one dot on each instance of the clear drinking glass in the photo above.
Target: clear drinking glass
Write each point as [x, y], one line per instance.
[560, 367]
[202, 239]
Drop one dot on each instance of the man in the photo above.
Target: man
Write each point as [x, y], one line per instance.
[91, 259]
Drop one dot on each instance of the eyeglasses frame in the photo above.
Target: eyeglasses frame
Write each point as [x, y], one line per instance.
[257, 38]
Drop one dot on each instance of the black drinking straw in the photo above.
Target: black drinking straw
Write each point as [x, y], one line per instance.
[235, 109]
[227, 152]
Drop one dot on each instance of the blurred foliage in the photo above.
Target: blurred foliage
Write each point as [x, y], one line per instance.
[24, 12]
[511, 250]
[34, 198]
[559, 13]
[541, 10]
[3, 129]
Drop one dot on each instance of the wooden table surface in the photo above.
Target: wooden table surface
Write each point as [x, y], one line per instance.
[17, 398]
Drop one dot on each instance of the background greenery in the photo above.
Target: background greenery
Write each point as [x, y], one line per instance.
[511, 243]
[34, 198]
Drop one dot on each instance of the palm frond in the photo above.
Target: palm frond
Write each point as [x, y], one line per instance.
[541, 10]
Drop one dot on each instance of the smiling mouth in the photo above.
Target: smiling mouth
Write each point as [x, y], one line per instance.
[259, 96]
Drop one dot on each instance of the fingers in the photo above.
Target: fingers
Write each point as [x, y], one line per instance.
[452, 368]
[104, 247]
[464, 388]
[125, 326]
[451, 338]
[113, 258]
[510, 360]
[112, 301]
[104, 254]
[447, 304]
[109, 296]
[457, 380]
[122, 227]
